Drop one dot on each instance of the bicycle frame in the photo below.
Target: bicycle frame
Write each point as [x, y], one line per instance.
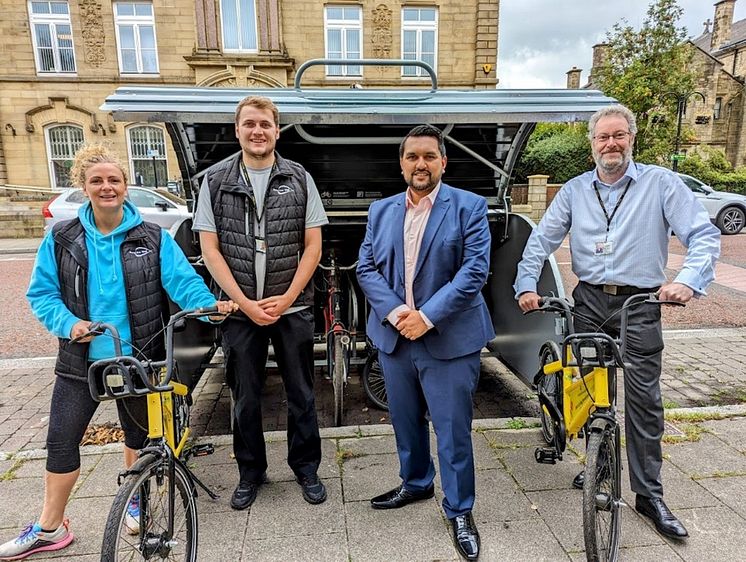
[161, 418]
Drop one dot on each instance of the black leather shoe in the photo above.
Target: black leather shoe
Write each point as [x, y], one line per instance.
[399, 497]
[579, 480]
[466, 536]
[665, 521]
[314, 490]
[245, 493]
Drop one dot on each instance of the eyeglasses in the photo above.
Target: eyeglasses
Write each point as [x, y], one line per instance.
[618, 136]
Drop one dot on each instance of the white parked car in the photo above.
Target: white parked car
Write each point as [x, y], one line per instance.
[727, 210]
[155, 205]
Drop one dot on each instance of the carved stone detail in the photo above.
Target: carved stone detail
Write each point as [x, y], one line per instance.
[93, 32]
[241, 77]
[382, 35]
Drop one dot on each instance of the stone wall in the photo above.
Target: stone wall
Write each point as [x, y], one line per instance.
[189, 43]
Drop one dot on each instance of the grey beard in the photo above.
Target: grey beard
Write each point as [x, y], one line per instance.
[611, 169]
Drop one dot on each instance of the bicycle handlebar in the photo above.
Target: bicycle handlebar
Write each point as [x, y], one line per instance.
[618, 347]
[338, 267]
[117, 372]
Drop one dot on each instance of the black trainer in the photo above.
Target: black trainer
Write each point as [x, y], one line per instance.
[314, 491]
[245, 493]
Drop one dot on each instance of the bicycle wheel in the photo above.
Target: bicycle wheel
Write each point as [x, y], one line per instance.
[338, 379]
[602, 493]
[150, 481]
[373, 382]
[552, 386]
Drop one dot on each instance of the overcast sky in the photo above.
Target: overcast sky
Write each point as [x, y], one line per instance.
[540, 40]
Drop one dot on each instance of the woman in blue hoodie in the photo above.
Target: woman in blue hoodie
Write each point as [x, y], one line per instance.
[108, 265]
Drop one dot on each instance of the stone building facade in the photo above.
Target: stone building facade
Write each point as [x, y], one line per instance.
[61, 59]
[719, 63]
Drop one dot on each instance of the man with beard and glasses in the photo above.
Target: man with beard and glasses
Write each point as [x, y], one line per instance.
[620, 217]
[422, 266]
[259, 220]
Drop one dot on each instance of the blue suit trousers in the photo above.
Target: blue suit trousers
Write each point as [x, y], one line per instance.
[416, 383]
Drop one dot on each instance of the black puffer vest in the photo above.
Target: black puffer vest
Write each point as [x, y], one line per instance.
[140, 254]
[234, 207]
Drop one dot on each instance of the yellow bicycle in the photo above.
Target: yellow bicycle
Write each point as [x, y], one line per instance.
[159, 484]
[577, 389]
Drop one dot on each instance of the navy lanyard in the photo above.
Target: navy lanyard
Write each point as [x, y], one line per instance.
[616, 207]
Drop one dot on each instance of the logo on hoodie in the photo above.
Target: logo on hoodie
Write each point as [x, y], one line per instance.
[282, 189]
[140, 251]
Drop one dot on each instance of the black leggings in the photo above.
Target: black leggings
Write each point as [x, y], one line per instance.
[70, 413]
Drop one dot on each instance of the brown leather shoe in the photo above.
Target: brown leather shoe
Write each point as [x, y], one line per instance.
[399, 497]
[665, 521]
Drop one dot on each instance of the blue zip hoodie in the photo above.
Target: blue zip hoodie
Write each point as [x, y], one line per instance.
[106, 292]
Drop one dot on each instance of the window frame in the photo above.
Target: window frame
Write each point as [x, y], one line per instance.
[238, 23]
[52, 20]
[717, 110]
[136, 22]
[71, 150]
[419, 27]
[130, 153]
[343, 25]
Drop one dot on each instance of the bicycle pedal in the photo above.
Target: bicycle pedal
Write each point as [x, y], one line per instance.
[545, 456]
[203, 450]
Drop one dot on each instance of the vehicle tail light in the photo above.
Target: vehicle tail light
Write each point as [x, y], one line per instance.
[45, 212]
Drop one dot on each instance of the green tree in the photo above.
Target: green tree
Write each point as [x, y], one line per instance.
[642, 70]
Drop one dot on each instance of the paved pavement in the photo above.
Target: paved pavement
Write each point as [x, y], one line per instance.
[525, 511]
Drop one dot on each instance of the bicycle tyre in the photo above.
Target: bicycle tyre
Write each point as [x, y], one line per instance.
[552, 386]
[602, 493]
[338, 380]
[373, 382]
[149, 477]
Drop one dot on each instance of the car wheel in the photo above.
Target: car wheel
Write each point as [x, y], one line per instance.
[731, 220]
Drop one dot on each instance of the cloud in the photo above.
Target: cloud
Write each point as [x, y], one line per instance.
[540, 40]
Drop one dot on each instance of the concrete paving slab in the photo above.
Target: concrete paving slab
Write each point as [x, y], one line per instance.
[485, 455]
[680, 491]
[520, 540]
[499, 499]
[329, 547]
[515, 438]
[20, 503]
[562, 510]
[102, 481]
[221, 538]
[705, 457]
[417, 532]
[369, 476]
[716, 535]
[660, 553]
[280, 511]
[534, 476]
[729, 490]
[359, 446]
[732, 431]
[87, 522]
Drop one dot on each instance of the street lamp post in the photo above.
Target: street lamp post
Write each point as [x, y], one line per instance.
[681, 99]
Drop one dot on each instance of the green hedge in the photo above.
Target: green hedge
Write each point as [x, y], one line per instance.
[558, 150]
[711, 166]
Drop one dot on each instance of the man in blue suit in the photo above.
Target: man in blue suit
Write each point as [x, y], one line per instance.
[422, 266]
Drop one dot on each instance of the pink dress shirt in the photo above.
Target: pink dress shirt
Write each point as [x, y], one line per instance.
[415, 222]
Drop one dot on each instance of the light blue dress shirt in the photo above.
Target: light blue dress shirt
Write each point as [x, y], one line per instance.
[656, 202]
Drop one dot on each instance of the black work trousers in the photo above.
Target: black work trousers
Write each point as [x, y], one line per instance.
[643, 406]
[245, 345]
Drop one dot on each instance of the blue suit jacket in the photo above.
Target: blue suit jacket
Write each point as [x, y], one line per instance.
[451, 269]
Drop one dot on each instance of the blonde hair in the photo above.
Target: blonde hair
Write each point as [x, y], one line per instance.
[88, 156]
[258, 102]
